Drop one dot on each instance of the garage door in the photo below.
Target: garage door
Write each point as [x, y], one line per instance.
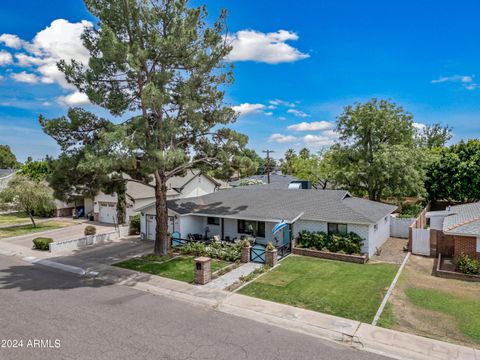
[152, 223]
[106, 213]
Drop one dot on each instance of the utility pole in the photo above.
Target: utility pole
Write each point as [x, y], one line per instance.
[268, 152]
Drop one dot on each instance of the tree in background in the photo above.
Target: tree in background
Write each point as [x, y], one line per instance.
[316, 168]
[287, 162]
[376, 142]
[454, 173]
[37, 170]
[435, 135]
[27, 195]
[304, 153]
[8, 159]
[160, 61]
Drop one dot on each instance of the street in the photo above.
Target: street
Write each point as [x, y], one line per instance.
[80, 318]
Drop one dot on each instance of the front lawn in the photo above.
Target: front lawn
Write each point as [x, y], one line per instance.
[349, 290]
[28, 229]
[178, 268]
[14, 219]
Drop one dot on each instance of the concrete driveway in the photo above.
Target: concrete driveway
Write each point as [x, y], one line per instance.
[67, 233]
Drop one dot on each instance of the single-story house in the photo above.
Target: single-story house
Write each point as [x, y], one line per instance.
[194, 183]
[231, 213]
[462, 222]
[277, 180]
[5, 176]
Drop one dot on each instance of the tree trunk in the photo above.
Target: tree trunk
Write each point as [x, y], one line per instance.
[121, 206]
[162, 241]
[32, 219]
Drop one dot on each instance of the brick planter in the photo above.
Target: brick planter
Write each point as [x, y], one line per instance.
[358, 259]
[245, 254]
[453, 274]
[271, 257]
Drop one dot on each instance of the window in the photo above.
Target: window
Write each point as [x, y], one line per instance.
[375, 227]
[213, 220]
[255, 228]
[337, 228]
[478, 244]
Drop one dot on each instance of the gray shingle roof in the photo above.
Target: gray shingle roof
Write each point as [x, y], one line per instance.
[277, 204]
[464, 220]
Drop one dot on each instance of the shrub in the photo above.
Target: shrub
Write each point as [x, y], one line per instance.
[229, 253]
[410, 210]
[467, 265]
[90, 230]
[245, 243]
[41, 243]
[134, 225]
[270, 246]
[350, 243]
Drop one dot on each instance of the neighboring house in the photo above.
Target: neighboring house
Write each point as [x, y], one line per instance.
[5, 176]
[462, 222]
[235, 212]
[194, 183]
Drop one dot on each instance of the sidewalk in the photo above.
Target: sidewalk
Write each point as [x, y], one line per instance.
[351, 333]
[233, 276]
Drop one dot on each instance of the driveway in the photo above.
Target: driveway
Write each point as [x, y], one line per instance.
[68, 233]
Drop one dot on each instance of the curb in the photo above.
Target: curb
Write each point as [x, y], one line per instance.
[59, 266]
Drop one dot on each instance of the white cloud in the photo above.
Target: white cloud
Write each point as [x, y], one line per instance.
[280, 138]
[271, 48]
[247, 108]
[74, 99]
[11, 41]
[311, 126]
[25, 77]
[466, 81]
[331, 134]
[60, 40]
[5, 58]
[278, 102]
[318, 141]
[419, 126]
[298, 113]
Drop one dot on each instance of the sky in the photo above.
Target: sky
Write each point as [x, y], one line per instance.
[297, 64]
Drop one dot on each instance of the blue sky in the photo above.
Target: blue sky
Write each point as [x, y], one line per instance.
[296, 66]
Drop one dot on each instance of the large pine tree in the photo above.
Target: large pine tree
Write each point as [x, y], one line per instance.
[161, 65]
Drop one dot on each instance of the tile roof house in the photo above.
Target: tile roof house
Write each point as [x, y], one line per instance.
[463, 223]
[228, 213]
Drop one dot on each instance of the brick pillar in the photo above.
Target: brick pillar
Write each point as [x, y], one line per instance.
[245, 254]
[271, 257]
[203, 270]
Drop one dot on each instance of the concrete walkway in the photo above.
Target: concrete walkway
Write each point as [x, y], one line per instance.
[233, 276]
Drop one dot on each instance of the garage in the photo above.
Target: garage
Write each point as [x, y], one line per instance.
[106, 213]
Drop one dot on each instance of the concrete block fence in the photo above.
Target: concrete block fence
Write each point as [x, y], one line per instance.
[83, 242]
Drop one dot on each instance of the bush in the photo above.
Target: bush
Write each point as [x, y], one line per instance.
[350, 243]
[134, 225]
[465, 264]
[410, 210]
[41, 243]
[215, 251]
[245, 243]
[90, 230]
[270, 246]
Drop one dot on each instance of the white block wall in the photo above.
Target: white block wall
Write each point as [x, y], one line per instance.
[378, 236]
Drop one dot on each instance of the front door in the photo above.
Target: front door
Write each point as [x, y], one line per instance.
[286, 235]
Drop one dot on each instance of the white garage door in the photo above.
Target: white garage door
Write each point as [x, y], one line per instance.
[106, 213]
[152, 223]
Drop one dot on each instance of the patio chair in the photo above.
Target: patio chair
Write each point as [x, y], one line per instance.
[216, 239]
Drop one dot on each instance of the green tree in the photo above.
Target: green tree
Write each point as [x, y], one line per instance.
[7, 158]
[287, 164]
[27, 195]
[372, 135]
[435, 135]
[79, 170]
[161, 62]
[304, 153]
[454, 173]
[316, 168]
[37, 170]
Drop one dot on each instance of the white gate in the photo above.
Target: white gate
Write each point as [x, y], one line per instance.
[421, 242]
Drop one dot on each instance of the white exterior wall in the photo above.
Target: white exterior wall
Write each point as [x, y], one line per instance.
[379, 236]
[309, 225]
[436, 222]
[101, 197]
[88, 205]
[191, 224]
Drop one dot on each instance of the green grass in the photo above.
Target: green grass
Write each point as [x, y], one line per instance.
[179, 268]
[29, 229]
[388, 319]
[349, 290]
[14, 219]
[465, 310]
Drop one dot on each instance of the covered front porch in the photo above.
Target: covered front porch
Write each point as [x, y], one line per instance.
[230, 229]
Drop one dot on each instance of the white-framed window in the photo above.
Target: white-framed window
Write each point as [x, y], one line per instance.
[478, 244]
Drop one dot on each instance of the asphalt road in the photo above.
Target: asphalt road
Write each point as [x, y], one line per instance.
[87, 319]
